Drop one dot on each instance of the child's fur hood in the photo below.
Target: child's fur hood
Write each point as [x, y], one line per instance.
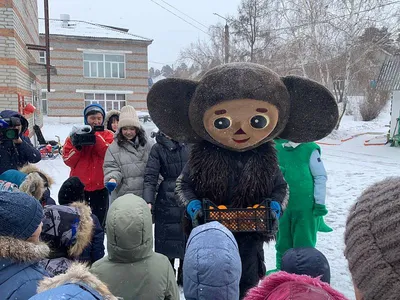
[33, 185]
[85, 229]
[22, 251]
[30, 168]
[77, 273]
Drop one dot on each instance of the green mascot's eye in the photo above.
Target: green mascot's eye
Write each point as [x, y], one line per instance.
[222, 123]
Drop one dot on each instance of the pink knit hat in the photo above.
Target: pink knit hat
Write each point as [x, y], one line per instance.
[285, 286]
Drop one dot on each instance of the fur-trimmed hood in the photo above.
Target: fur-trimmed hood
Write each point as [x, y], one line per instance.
[85, 229]
[22, 251]
[76, 274]
[67, 229]
[33, 185]
[30, 168]
[109, 114]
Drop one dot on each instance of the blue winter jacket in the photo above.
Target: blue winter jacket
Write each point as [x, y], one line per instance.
[79, 291]
[212, 266]
[95, 250]
[14, 156]
[19, 272]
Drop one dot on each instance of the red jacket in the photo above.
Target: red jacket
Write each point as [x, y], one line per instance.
[87, 164]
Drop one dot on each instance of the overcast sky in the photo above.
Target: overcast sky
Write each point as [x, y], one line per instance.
[145, 18]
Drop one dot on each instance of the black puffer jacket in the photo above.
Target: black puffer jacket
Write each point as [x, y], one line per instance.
[167, 158]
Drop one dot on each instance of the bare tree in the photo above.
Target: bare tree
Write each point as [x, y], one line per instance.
[252, 24]
[351, 17]
[206, 54]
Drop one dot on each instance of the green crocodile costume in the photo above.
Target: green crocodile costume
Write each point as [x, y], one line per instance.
[302, 218]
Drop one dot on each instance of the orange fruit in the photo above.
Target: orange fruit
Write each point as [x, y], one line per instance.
[222, 207]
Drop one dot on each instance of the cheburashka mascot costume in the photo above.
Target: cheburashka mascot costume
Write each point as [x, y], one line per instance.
[231, 117]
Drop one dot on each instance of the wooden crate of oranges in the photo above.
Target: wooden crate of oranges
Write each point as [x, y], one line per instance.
[251, 219]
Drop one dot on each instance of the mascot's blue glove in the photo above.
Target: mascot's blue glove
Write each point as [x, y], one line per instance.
[276, 209]
[110, 186]
[195, 212]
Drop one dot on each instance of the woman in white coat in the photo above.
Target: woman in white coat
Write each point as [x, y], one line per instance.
[126, 157]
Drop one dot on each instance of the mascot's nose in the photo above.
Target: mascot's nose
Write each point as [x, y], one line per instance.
[240, 131]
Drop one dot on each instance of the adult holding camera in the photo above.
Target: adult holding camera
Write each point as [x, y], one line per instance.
[16, 150]
[84, 152]
[126, 158]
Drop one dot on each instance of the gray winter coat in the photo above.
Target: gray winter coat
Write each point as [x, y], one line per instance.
[126, 164]
[212, 267]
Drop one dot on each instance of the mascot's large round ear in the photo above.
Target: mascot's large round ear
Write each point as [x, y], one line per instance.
[168, 103]
[313, 110]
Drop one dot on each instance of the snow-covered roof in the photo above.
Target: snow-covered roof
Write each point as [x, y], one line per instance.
[87, 29]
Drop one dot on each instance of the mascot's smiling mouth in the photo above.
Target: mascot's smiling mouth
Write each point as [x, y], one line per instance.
[241, 141]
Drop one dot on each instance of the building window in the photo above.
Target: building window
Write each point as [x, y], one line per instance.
[42, 57]
[104, 65]
[44, 102]
[107, 101]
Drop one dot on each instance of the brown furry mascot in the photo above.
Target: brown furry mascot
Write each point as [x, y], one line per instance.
[231, 116]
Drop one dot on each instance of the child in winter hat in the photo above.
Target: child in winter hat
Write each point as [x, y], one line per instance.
[20, 248]
[285, 286]
[19, 215]
[72, 190]
[47, 181]
[212, 266]
[306, 261]
[68, 231]
[372, 241]
[31, 184]
[71, 193]
[128, 118]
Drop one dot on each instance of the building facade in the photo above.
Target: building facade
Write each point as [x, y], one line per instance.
[95, 64]
[19, 27]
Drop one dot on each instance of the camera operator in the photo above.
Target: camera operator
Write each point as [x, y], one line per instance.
[20, 151]
[84, 153]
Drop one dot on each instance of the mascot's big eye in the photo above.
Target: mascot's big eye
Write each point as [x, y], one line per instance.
[222, 123]
[259, 122]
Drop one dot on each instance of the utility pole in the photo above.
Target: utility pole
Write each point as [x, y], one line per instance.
[226, 41]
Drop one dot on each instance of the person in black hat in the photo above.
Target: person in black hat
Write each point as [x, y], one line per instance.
[306, 261]
[71, 192]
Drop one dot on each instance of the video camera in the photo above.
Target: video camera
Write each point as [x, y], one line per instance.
[7, 130]
[85, 136]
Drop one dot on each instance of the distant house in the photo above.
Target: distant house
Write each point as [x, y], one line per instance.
[95, 64]
[20, 78]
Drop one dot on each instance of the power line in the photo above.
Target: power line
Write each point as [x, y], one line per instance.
[159, 63]
[191, 24]
[185, 14]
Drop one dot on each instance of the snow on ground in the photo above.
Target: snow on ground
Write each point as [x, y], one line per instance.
[351, 168]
